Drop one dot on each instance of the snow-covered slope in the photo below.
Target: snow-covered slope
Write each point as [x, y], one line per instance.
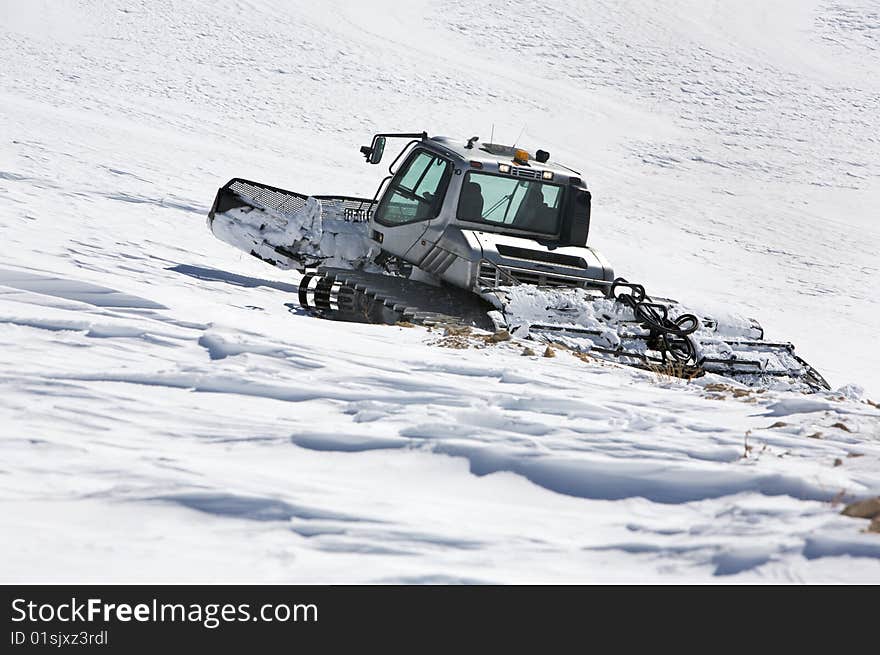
[166, 416]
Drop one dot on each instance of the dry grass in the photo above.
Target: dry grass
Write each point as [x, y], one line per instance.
[456, 331]
[461, 337]
[456, 343]
[863, 509]
[736, 392]
[457, 337]
[675, 370]
[723, 391]
[498, 337]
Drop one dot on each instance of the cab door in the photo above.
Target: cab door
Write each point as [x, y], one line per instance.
[412, 200]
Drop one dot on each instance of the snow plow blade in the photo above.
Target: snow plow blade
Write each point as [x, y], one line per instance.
[239, 192]
[287, 229]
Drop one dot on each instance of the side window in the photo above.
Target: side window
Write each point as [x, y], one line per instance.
[416, 191]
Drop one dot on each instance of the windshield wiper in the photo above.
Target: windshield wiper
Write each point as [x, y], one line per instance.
[497, 205]
[410, 194]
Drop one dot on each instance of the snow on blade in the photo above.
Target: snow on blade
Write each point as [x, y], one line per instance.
[317, 232]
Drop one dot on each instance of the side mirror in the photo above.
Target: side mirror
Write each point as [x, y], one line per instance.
[373, 153]
[377, 150]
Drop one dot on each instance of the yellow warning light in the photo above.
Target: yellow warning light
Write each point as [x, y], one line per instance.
[520, 156]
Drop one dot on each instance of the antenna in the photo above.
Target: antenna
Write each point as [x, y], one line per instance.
[520, 134]
[492, 136]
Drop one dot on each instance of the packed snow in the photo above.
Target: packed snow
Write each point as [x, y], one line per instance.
[168, 414]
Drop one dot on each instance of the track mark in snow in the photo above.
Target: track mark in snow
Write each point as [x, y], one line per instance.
[737, 560]
[117, 171]
[360, 548]
[790, 406]
[220, 348]
[68, 289]
[94, 329]
[363, 539]
[14, 177]
[347, 443]
[252, 508]
[825, 545]
[571, 407]
[488, 418]
[215, 275]
[437, 431]
[619, 479]
[158, 202]
[461, 369]
[205, 382]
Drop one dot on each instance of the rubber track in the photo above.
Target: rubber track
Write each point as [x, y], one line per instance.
[416, 302]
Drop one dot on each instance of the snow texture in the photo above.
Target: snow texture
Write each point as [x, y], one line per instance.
[167, 414]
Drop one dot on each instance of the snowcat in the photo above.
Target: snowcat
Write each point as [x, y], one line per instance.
[462, 232]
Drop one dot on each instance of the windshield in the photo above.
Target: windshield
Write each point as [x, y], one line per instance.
[416, 192]
[528, 205]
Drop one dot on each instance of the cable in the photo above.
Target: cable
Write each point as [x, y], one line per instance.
[668, 336]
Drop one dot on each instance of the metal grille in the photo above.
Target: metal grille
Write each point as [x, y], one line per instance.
[356, 210]
[493, 276]
[488, 275]
[526, 172]
[437, 261]
[267, 197]
[541, 256]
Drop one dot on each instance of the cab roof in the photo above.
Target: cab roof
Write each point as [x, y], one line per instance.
[495, 153]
